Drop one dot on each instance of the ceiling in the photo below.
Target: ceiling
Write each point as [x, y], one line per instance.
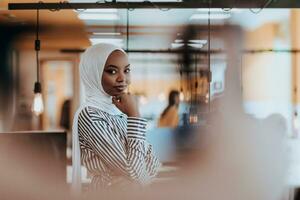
[58, 29]
[147, 28]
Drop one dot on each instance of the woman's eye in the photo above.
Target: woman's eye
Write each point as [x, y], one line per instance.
[127, 70]
[111, 71]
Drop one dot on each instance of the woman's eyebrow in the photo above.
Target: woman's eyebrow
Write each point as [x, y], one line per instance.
[114, 66]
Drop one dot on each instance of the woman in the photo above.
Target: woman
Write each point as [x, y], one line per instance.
[108, 131]
[169, 117]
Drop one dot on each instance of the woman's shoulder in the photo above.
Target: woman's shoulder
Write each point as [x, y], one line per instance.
[171, 110]
[93, 114]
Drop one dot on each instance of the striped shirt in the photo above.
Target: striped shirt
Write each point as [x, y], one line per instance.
[114, 149]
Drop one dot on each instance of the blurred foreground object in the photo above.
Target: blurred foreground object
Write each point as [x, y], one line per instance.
[32, 165]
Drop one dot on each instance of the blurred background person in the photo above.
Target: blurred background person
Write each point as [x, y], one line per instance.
[170, 117]
[65, 120]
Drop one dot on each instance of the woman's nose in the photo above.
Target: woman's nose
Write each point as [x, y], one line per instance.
[121, 77]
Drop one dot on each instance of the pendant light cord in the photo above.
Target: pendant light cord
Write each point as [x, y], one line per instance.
[209, 68]
[127, 29]
[37, 46]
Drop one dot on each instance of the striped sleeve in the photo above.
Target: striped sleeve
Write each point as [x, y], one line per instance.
[128, 160]
[153, 164]
[136, 128]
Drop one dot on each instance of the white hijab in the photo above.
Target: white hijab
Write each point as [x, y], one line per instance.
[91, 69]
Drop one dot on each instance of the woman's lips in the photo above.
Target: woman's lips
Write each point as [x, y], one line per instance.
[121, 88]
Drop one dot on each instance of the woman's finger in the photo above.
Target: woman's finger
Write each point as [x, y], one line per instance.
[116, 100]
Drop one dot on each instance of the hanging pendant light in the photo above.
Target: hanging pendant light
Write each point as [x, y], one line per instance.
[181, 94]
[37, 106]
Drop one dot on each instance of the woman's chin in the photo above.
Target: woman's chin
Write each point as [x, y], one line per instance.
[118, 93]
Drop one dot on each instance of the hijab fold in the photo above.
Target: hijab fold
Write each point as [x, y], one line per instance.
[92, 64]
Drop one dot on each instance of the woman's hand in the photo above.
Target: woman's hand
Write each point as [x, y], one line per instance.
[127, 103]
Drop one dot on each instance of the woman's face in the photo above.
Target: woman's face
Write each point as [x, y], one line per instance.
[116, 74]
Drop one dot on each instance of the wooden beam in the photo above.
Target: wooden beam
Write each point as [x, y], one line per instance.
[156, 5]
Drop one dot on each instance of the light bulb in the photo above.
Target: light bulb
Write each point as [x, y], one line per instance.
[37, 106]
[143, 100]
[207, 95]
[296, 123]
[181, 96]
[161, 97]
